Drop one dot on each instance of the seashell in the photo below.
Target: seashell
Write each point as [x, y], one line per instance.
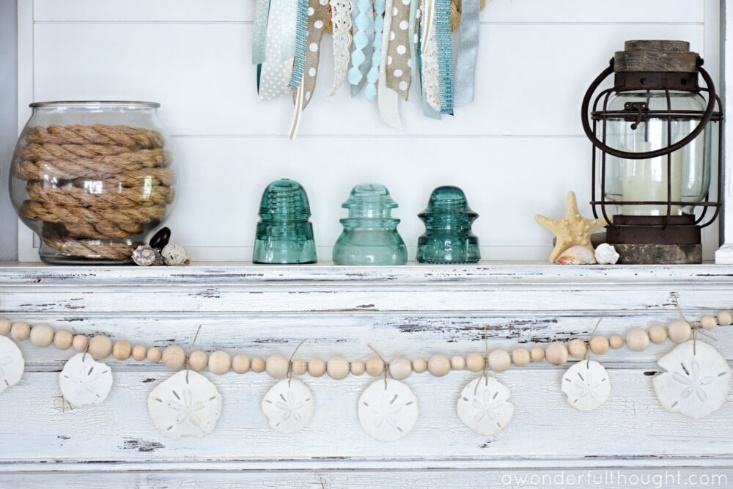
[174, 255]
[606, 254]
[145, 256]
[576, 255]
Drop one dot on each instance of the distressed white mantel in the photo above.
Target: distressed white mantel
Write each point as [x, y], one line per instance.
[415, 311]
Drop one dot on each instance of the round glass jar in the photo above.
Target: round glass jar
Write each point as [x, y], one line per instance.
[92, 179]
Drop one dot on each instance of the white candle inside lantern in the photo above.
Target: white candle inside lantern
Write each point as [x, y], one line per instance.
[646, 180]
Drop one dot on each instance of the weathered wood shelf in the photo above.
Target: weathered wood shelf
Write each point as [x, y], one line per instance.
[415, 310]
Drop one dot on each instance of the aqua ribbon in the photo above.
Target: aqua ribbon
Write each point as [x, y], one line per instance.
[414, 41]
[465, 81]
[301, 35]
[259, 31]
[445, 55]
[373, 74]
[361, 59]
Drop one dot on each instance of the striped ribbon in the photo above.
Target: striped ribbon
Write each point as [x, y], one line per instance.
[301, 34]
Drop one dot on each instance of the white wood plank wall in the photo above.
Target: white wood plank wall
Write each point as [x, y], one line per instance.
[516, 151]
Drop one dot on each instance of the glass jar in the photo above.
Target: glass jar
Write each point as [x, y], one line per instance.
[92, 179]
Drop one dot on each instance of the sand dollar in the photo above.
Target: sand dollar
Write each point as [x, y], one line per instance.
[289, 406]
[12, 364]
[484, 406]
[587, 385]
[388, 410]
[85, 381]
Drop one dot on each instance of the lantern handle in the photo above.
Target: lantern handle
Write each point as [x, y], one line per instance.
[657, 152]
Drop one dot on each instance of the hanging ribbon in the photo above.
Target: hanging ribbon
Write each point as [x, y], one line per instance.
[388, 99]
[259, 31]
[275, 73]
[301, 36]
[341, 20]
[465, 85]
[414, 44]
[317, 17]
[361, 58]
[288, 30]
[445, 55]
[429, 58]
[373, 75]
[398, 73]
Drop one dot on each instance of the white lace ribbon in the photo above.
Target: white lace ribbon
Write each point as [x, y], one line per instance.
[430, 67]
[342, 22]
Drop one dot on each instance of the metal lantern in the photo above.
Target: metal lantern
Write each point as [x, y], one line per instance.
[656, 135]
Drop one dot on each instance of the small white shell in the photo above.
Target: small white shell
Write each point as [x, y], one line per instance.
[388, 410]
[484, 406]
[288, 406]
[85, 381]
[606, 254]
[696, 381]
[576, 255]
[145, 256]
[587, 385]
[180, 407]
[175, 255]
[12, 364]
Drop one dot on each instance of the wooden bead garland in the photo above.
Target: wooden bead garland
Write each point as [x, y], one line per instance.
[708, 322]
[41, 335]
[537, 354]
[198, 360]
[220, 362]
[577, 348]
[439, 365]
[616, 342]
[637, 339]
[599, 345]
[277, 366]
[375, 366]
[338, 368]
[154, 355]
[725, 318]
[122, 350]
[20, 331]
[679, 330]
[300, 366]
[80, 343]
[5, 326]
[521, 357]
[258, 365]
[556, 353]
[139, 352]
[658, 334]
[475, 362]
[316, 367]
[100, 347]
[173, 357]
[400, 368]
[499, 361]
[358, 367]
[240, 363]
[419, 365]
[63, 339]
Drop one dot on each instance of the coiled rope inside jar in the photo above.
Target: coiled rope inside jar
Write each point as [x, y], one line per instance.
[92, 179]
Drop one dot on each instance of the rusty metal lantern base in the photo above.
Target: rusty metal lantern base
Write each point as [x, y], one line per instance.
[648, 240]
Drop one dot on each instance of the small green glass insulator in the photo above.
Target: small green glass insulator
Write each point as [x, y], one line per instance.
[448, 237]
[370, 234]
[284, 235]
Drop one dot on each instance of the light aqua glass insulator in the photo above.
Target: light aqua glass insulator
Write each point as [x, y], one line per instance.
[448, 237]
[370, 234]
[284, 235]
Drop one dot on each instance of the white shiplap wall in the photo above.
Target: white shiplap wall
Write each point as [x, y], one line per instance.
[516, 150]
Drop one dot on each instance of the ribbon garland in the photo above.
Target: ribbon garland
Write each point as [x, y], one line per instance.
[395, 45]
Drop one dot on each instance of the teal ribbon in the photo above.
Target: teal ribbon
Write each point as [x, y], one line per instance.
[373, 74]
[465, 81]
[363, 12]
[301, 36]
[414, 48]
[259, 32]
[445, 55]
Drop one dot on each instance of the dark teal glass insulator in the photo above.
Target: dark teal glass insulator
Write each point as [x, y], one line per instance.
[284, 235]
[370, 234]
[448, 237]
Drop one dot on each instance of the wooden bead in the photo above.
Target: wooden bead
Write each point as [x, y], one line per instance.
[439, 365]
[616, 342]
[499, 361]
[258, 365]
[5, 325]
[80, 343]
[725, 318]
[138, 352]
[637, 339]
[679, 330]
[537, 353]
[198, 360]
[316, 367]
[375, 366]
[20, 331]
[63, 339]
[358, 367]
[400, 368]
[41, 335]
[220, 362]
[708, 322]
[122, 350]
[240, 363]
[101, 347]
[556, 353]
[338, 368]
[300, 366]
[577, 348]
[173, 357]
[599, 345]
[277, 366]
[520, 357]
[457, 362]
[475, 362]
[154, 354]
[419, 365]
[658, 334]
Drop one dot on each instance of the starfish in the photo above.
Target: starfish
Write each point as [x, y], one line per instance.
[572, 230]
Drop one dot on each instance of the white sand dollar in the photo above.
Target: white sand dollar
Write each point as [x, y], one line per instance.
[289, 406]
[185, 407]
[587, 385]
[388, 410]
[85, 381]
[12, 364]
[696, 381]
[484, 406]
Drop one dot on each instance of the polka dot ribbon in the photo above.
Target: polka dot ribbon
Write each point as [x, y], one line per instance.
[318, 13]
[388, 99]
[399, 61]
[276, 71]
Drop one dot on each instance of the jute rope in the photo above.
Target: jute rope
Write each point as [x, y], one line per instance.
[94, 186]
